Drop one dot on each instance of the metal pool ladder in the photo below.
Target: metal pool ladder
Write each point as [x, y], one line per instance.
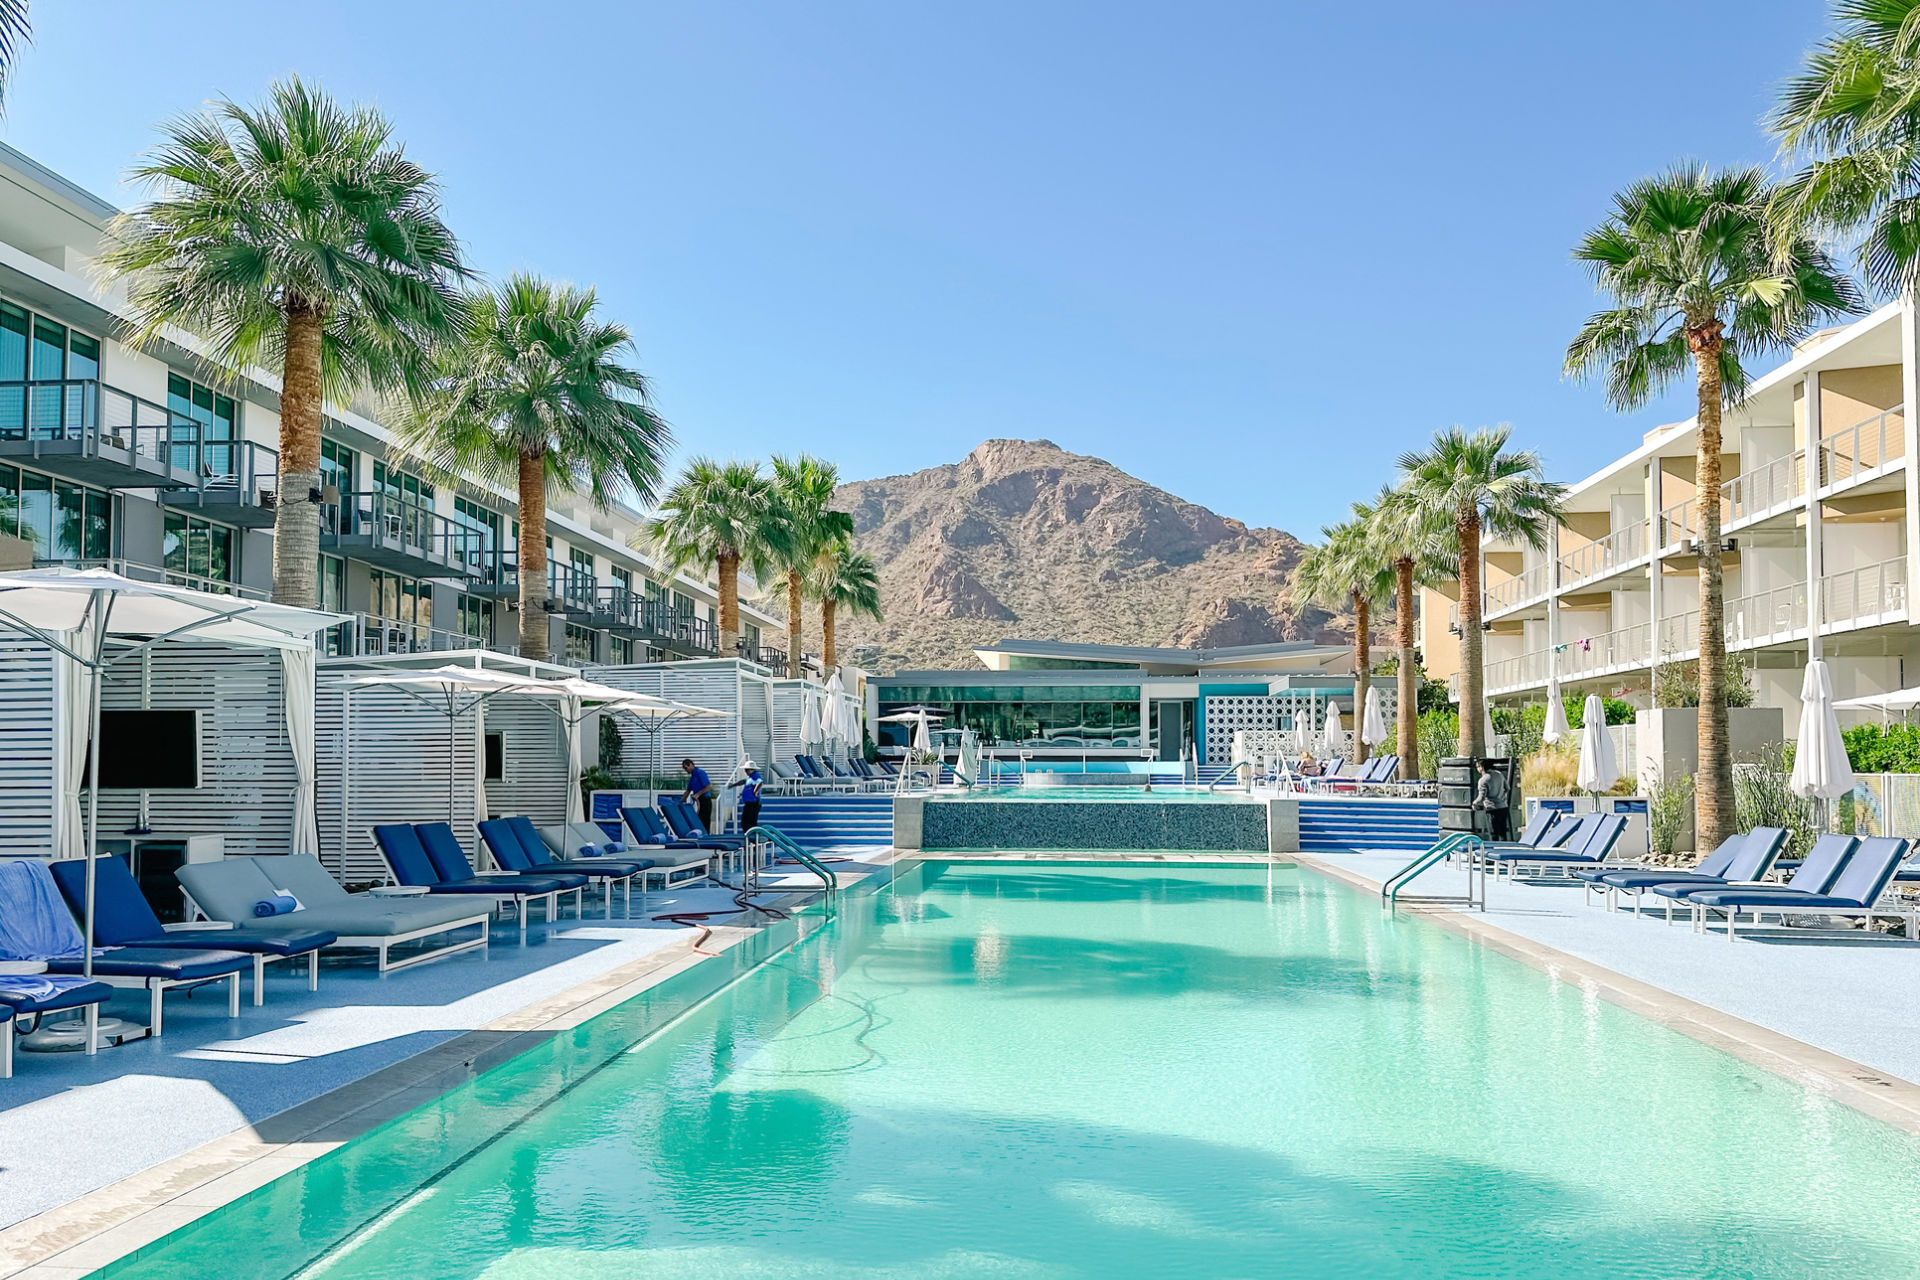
[787, 845]
[1459, 843]
[1232, 770]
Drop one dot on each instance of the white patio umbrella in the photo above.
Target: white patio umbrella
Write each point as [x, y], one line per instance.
[1599, 769]
[1333, 739]
[1898, 700]
[1820, 766]
[968, 766]
[1486, 724]
[653, 715]
[810, 727]
[1556, 727]
[841, 722]
[579, 700]
[1373, 725]
[76, 612]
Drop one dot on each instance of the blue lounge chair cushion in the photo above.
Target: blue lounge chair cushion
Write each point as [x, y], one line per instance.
[1711, 869]
[442, 846]
[172, 964]
[648, 828]
[122, 918]
[1598, 844]
[407, 858]
[685, 823]
[1815, 875]
[288, 942]
[1858, 885]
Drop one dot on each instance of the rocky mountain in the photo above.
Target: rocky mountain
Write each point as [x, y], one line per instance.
[1022, 538]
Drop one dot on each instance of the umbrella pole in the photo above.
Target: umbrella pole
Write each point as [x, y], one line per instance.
[95, 673]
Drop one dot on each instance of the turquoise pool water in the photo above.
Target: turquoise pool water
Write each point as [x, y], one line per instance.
[1165, 794]
[1043, 1070]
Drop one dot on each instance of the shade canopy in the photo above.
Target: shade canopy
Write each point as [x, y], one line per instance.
[1898, 700]
[45, 602]
[1373, 725]
[1556, 726]
[1820, 766]
[1599, 768]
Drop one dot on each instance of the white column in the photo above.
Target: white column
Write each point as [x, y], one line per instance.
[1656, 535]
[1910, 396]
[1553, 602]
[1810, 399]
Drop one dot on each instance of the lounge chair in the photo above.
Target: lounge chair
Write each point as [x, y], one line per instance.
[669, 854]
[31, 995]
[508, 843]
[1739, 859]
[227, 890]
[122, 918]
[1590, 844]
[1328, 776]
[1542, 821]
[1845, 878]
[35, 925]
[684, 822]
[413, 866]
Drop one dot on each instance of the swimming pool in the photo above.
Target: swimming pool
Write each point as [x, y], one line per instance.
[1085, 1070]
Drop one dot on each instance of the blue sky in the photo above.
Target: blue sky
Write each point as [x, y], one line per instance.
[1249, 252]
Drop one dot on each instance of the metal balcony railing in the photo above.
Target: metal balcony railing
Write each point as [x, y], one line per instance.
[402, 525]
[369, 635]
[573, 588]
[1772, 487]
[766, 655]
[158, 573]
[1864, 597]
[1522, 588]
[1516, 673]
[88, 409]
[1620, 548]
[239, 466]
[1863, 447]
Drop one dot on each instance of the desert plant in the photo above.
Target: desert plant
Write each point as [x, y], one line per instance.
[1669, 809]
[1677, 684]
[1763, 798]
[1550, 771]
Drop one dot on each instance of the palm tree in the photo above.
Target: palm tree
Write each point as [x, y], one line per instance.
[1469, 482]
[297, 235]
[1853, 117]
[848, 580]
[805, 487]
[15, 30]
[723, 514]
[1422, 554]
[1350, 568]
[537, 393]
[1700, 278]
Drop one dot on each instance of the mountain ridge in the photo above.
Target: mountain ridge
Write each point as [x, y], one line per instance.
[1022, 538]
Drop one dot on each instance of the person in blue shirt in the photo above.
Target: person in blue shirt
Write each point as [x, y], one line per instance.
[699, 791]
[750, 798]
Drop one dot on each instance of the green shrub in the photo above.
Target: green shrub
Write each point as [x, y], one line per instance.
[1872, 748]
[1669, 810]
[1439, 734]
[1762, 798]
[1677, 684]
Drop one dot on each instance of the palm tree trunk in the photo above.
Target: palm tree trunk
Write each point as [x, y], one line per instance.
[795, 621]
[535, 627]
[1473, 693]
[1362, 672]
[829, 653]
[729, 640]
[1407, 709]
[296, 516]
[1713, 812]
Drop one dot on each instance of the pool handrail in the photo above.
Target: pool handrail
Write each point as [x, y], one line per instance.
[1459, 842]
[787, 845]
[1230, 771]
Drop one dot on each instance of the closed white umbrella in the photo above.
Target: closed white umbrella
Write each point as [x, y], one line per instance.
[1599, 769]
[1487, 731]
[1333, 739]
[1820, 765]
[1373, 725]
[1556, 728]
[809, 719]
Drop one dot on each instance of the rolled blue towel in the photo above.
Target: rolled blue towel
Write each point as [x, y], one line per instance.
[589, 851]
[278, 905]
[614, 847]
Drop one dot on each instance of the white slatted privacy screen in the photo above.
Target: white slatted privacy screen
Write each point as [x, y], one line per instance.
[27, 711]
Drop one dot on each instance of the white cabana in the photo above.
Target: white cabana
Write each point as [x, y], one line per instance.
[1898, 700]
[1820, 766]
[1373, 725]
[653, 715]
[1556, 726]
[78, 612]
[1599, 767]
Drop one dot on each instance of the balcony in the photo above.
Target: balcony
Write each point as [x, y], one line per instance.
[1523, 588]
[369, 636]
[766, 655]
[1864, 451]
[239, 484]
[1605, 557]
[1516, 673]
[85, 430]
[572, 592]
[1865, 597]
[400, 534]
[1768, 490]
[155, 573]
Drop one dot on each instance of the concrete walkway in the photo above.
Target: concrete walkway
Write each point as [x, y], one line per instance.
[1849, 995]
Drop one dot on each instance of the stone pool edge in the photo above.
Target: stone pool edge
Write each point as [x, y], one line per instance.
[96, 1230]
[1886, 1098]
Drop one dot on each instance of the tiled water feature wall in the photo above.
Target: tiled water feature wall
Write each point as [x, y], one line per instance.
[1085, 825]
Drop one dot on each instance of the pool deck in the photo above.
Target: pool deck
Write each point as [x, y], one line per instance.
[100, 1157]
[1832, 1009]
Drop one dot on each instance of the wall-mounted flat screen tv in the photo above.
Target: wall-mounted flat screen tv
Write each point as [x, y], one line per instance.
[149, 750]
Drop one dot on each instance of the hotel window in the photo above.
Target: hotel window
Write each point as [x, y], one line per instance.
[622, 651]
[579, 645]
[333, 598]
[215, 417]
[622, 577]
[476, 619]
[63, 521]
[683, 605]
[750, 634]
[406, 601]
[485, 526]
[45, 351]
[196, 549]
[338, 467]
[582, 562]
